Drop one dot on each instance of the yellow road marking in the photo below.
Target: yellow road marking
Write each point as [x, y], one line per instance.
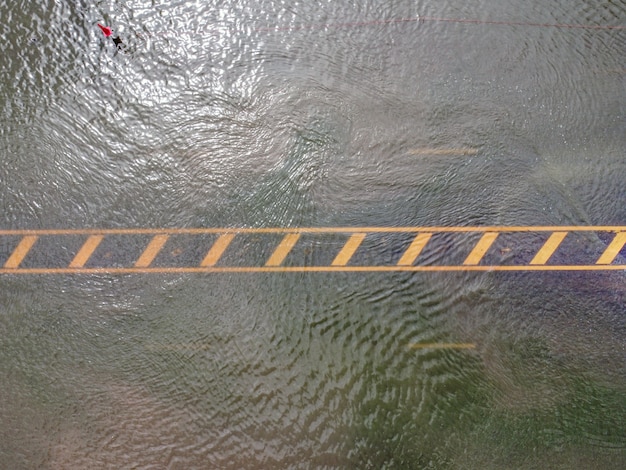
[414, 249]
[311, 269]
[481, 248]
[442, 346]
[218, 248]
[443, 151]
[348, 249]
[86, 251]
[283, 249]
[613, 249]
[548, 248]
[151, 251]
[290, 236]
[302, 230]
[20, 252]
[177, 347]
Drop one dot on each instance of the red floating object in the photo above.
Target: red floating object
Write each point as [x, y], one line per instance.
[106, 30]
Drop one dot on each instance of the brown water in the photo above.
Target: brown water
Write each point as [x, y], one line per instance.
[288, 114]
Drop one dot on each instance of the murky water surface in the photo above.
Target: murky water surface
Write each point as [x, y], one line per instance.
[284, 114]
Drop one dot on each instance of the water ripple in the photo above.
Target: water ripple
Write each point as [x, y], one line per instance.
[292, 114]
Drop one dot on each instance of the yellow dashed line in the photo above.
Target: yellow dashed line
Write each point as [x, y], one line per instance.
[217, 249]
[151, 251]
[301, 230]
[20, 252]
[442, 346]
[283, 249]
[414, 249]
[86, 251]
[548, 248]
[613, 249]
[444, 151]
[348, 249]
[177, 347]
[481, 248]
[311, 269]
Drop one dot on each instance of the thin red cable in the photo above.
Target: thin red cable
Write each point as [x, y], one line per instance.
[521, 23]
[438, 19]
[417, 19]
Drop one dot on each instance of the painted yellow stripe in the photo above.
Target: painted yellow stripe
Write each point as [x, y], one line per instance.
[20, 252]
[151, 251]
[443, 151]
[348, 249]
[548, 248]
[86, 251]
[442, 346]
[283, 249]
[481, 248]
[301, 230]
[218, 248]
[613, 249]
[290, 237]
[177, 347]
[414, 249]
[312, 269]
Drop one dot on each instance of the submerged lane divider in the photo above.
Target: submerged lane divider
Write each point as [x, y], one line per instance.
[313, 249]
[442, 346]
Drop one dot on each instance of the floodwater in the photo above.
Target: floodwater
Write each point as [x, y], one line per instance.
[312, 114]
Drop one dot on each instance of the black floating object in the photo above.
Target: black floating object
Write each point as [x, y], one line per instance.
[118, 42]
[108, 33]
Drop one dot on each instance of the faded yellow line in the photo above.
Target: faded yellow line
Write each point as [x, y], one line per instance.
[86, 251]
[443, 151]
[414, 249]
[218, 248]
[177, 347]
[548, 248]
[301, 230]
[613, 249]
[283, 249]
[442, 346]
[481, 248]
[312, 269]
[151, 251]
[348, 249]
[20, 252]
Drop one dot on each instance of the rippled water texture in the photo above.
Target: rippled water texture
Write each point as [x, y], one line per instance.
[283, 114]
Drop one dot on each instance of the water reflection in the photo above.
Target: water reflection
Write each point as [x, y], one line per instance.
[239, 114]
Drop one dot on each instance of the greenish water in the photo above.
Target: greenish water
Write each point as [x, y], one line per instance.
[265, 114]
